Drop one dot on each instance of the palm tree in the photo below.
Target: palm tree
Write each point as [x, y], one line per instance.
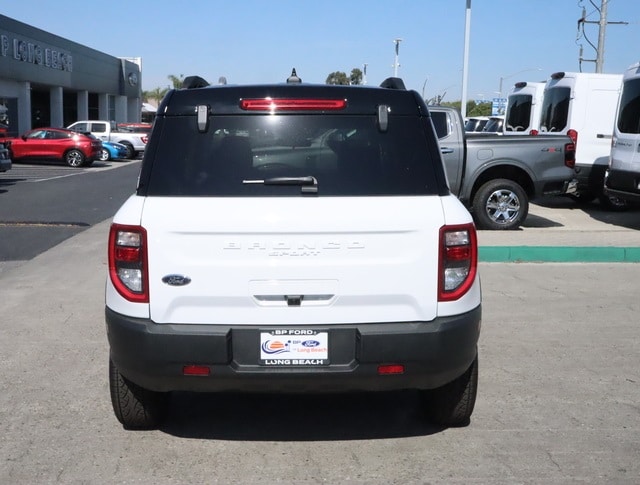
[176, 80]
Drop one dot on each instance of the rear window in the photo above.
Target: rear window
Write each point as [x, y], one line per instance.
[519, 112]
[242, 155]
[629, 113]
[555, 109]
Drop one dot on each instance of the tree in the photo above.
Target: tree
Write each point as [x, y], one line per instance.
[176, 80]
[337, 77]
[156, 94]
[356, 76]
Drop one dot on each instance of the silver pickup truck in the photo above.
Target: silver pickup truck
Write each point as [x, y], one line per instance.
[496, 176]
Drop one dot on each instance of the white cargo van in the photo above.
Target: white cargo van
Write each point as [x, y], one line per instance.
[623, 177]
[524, 105]
[583, 106]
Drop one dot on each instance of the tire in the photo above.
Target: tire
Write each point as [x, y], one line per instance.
[453, 403]
[500, 204]
[613, 203]
[74, 158]
[134, 406]
[131, 153]
[104, 155]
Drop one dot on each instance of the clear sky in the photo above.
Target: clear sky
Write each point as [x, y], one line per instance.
[254, 41]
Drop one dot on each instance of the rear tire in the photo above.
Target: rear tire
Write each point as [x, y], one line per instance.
[134, 406]
[500, 204]
[453, 403]
[74, 158]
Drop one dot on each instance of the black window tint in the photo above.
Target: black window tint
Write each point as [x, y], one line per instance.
[629, 114]
[348, 155]
[440, 123]
[555, 109]
[518, 112]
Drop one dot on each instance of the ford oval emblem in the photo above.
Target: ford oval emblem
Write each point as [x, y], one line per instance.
[176, 280]
[310, 343]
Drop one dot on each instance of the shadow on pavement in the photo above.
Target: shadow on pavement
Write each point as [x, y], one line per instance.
[297, 417]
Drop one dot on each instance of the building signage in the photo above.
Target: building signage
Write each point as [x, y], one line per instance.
[24, 51]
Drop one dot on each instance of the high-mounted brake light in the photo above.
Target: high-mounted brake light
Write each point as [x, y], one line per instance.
[288, 104]
[557, 75]
[458, 261]
[128, 262]
[521, 84]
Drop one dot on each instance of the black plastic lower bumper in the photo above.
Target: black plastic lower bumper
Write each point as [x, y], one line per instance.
[432, 353]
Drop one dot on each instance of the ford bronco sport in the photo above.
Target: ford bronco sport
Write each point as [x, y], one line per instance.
[292, 238]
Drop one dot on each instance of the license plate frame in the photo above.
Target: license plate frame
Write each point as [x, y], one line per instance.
[294, 347]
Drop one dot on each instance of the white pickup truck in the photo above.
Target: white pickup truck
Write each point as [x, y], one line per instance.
[135, 141]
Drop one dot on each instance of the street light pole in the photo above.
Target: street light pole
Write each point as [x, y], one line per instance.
[396, 64]
[465, 59]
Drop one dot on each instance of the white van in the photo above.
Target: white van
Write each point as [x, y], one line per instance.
[524, 105]
[623, 177]
[583, 106]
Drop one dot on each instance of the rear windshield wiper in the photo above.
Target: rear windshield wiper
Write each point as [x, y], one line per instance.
[309, 184]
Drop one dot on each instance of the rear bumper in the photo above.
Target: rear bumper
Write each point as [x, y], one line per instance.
[623, 184]
[433, 353]
[5, 164]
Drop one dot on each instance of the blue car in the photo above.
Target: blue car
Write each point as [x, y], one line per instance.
[112, 151]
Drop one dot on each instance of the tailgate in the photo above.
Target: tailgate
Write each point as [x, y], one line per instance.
[291, 261]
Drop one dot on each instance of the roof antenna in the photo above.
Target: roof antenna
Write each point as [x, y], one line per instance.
[293, 79]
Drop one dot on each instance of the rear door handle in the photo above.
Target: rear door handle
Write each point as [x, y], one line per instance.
[445, 150]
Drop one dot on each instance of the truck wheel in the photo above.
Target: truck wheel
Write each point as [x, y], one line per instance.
[74, 158]
[500, 204]
[131, 153]
[613, 203]
[453, 403]
[134, 406]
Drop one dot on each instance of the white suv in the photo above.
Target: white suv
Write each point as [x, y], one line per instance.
[292, 238]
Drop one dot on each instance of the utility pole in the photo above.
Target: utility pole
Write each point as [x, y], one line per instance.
[396, 64]
[602, 27]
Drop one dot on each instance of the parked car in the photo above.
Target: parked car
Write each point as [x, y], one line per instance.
[494, 125]
[75, 149]
[112, 151]
[5, 161]
[305, 242]
[475, 123]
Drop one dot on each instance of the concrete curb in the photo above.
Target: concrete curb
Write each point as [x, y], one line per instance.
[558, 254]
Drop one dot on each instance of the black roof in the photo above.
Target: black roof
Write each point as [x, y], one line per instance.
[225, 99]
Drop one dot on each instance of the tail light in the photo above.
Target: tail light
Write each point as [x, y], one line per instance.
[144, 139]
[128, 262]
[534, 132]
[573, 134]
[458, 261]
[570, 155]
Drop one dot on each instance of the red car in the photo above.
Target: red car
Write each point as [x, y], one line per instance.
[75, 149]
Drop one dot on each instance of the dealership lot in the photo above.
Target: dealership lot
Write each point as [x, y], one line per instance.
[558, 396]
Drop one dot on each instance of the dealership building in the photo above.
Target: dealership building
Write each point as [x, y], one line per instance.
[46, 80]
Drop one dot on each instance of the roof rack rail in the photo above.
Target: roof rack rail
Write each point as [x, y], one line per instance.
[192, 82]
[393, 83]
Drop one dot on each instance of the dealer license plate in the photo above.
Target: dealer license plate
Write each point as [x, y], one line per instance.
[294, 347]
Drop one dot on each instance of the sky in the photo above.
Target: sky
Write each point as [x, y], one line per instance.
[257, 41]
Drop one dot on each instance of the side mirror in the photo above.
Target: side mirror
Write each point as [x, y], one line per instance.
[24, 137]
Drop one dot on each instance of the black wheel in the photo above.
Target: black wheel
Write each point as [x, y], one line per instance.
[134, 406]
[74, 158]
[500, 204]
[613, 203]
[104, 155]
[453, 403]
[131, 153]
